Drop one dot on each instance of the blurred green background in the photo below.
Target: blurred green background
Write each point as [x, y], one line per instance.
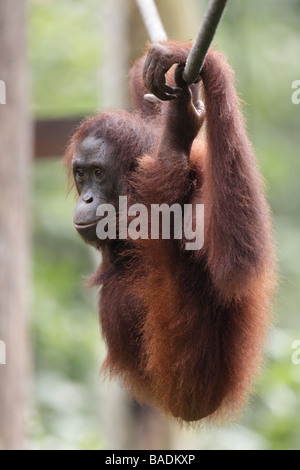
[262, 42]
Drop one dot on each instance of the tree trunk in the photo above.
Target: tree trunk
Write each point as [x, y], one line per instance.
[15, 148]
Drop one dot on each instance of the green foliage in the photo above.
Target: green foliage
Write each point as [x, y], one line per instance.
[261, 40]
[64, 52]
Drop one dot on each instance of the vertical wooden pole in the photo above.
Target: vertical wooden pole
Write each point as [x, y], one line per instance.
[15, 149]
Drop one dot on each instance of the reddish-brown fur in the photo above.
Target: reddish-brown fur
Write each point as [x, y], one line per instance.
[185, 330]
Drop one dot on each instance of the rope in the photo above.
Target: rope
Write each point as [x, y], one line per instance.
[152, 20]
[203, 41]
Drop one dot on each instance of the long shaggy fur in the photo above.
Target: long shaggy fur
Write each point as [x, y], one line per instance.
[185, 330]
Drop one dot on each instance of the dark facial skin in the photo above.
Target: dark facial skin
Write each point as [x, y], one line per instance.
[97, 179]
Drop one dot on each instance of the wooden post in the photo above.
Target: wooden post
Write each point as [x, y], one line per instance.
[15, 148]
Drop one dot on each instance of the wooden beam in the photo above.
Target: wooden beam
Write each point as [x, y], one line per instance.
[52, 135]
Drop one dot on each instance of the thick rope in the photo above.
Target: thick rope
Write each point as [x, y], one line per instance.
[152, 20]
[204, 39]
